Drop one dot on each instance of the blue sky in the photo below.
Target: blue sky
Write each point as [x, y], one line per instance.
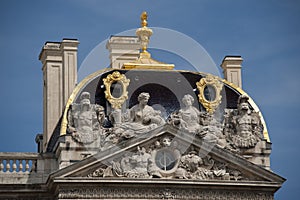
[265, 33]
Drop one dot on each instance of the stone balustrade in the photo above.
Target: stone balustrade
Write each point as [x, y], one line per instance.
[18, 162]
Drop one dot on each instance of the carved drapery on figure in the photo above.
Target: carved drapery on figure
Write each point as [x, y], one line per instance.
[202, 124]
[85, 119]
[139, 119]
[243, 127]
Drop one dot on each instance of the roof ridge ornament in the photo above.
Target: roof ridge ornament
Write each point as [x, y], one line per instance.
[145, 61]
[144, 17]
[144, 33]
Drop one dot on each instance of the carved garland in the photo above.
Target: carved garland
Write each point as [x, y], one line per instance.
[206, 84]
[116, 77]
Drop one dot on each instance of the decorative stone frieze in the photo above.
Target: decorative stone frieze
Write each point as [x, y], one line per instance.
[159, 193]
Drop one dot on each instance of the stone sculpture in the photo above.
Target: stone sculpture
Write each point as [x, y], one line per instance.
[187, 118]
[190, 119]
[140, 118]
[139, 164]
[243, 128]
[85, 119]
[211, 130]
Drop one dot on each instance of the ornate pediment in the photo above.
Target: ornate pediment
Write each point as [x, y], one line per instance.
[168, 157]
[167, 153]
[140, 142]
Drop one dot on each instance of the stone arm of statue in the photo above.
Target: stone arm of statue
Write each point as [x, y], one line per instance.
[153, 117]
[257, 127]
[126, 116]
[71, 125]
[100, 114]
[131, 114]
[95, 123]
[116, 167]
[177, 121]
[229, 123]
[101, 117]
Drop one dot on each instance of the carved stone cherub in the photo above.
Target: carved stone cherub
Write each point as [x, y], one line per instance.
[243, 127]
[85, 119]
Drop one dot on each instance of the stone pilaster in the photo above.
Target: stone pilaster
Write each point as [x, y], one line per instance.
[232, 67]
[59, 61]
[69, 70]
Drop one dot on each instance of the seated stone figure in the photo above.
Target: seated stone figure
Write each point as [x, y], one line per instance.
[187, 118]
[84, 120]
[141, 118]
[192, 120]
[243, 127]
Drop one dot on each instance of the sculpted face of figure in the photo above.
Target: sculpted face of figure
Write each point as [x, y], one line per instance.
[166, 141]
[242, 101]
[188, 100]
[85, 101]
[143, 98]
[244, 106]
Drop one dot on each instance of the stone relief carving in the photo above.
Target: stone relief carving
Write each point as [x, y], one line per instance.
[95, 192]
[168, 194]
[193, 166]
[243, 127]
[85, 119]
[162, 159]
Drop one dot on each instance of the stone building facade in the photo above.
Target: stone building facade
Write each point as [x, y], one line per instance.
[142, 130]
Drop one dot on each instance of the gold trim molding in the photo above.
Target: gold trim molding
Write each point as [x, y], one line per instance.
[203, 85]
[116, 77]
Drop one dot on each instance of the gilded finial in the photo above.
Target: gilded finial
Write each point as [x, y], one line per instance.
[145, 61]
[144, 34]
[144, 18]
